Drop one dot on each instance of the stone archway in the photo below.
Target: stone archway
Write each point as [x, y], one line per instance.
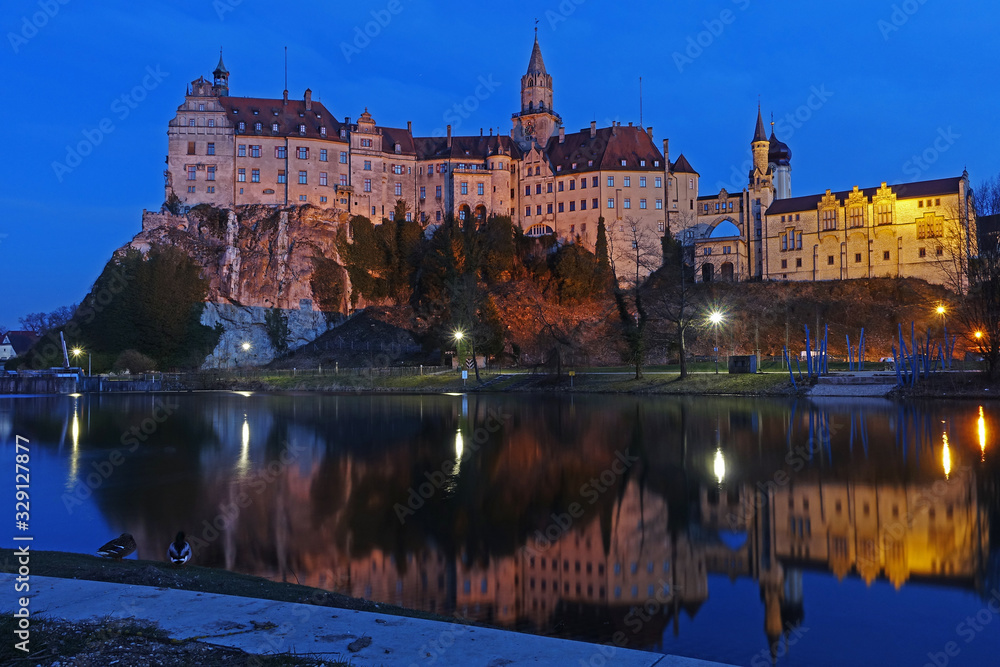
[707, 272]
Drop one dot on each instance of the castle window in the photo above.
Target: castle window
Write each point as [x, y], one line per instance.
[937, 202]
[856, 216]
[368, 185]
[538, 171]
[210, 189]
[464, 187]
[583, 183]
[642, 203]
[201, 107]
[274, 128]
[628, 181]
[572, 206]
[627, 203]
[658, 182]
[257, 127]
[829, 219]
[527, 190]
[798, 262]
[480, 189]
[883, 213]
[624, 163]
[717, 207]
[322, 200]
[560, 207]
[829, 260]
[302, 129]
[397, 169]
[784, 242]
[611, 202]
[583, 204]
[538, 209]
[399, 189]
[659, 204]
[241, 175]
[920, 204]
[303, 178]
[885, 255]
[690, 184]
[322, 155]
[660, 226]
[923, 252]
[211, 122]
[558, 167]
[255, 175]
[727, 249]
[642, 181]
[611, 181]
[538, 188]
[191, 148]
[211, 173]
[527, 211]
[368, 165]
[561, 186]
[707, 251]
[784, 263]
[343, 180]
[210, 150]
[590, 163]
[254, 150]
[437, 192]
[857, 258]
[798, 242]
[322, 178]
[642, 163]
[343, 157]
[322, 133]
[279, 152]
[281, 176]
[782, 218]
[595, 203]
[572, 184]
[191, 188]
[930, 226]
[303, 198]
[939, 251]
[191, 123]
[192, 172]
[302, 153]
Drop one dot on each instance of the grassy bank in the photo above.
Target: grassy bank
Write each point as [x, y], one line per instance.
[655, 380]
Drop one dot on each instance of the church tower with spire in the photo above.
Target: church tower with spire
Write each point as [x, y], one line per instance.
[536, 122]
[221, 75]
[761, 147]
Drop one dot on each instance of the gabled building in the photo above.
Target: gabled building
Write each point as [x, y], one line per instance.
[15, 343]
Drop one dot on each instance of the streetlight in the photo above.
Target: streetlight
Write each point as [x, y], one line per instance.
[246, 346]
[715, 318]
[76, 352]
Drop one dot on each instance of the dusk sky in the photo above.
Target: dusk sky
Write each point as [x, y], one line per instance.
[863, 92]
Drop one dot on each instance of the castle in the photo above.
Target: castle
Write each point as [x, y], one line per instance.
[231, 151]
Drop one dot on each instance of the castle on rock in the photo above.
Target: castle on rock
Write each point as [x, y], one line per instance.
[229, 152]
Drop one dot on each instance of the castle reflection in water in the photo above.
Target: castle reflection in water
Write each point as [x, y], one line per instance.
[581, 518]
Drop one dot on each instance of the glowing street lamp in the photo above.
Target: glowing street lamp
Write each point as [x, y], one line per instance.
[715, 318]
[76, 352]
[246, 346]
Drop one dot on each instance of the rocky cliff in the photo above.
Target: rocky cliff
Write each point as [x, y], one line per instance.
[258, 259]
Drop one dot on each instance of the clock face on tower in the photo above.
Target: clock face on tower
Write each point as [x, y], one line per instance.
[529, 128]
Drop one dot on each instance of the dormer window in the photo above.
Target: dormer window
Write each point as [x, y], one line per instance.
[399, 149]
[642, 163]
[559, 168]
[343, 133]
[274, 128]
[255, 112]
[301, 115]
[590, 163]
[322, 131]
[257, 127]
[302, 129]
[624, 163]
[236, 110]
[656, 163]
[242, 127]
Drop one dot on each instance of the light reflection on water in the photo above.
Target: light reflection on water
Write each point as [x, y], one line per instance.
[716, 528]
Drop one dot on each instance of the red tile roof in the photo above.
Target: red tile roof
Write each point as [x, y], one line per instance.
[607, 150]
[288, 117]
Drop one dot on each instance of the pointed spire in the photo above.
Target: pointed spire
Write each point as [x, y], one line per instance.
[760, 134]
[221, 69]
[536, 65]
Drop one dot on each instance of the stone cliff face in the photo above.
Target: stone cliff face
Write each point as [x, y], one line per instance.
[255, 259]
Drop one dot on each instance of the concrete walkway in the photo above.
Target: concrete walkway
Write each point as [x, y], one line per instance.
[263, 626]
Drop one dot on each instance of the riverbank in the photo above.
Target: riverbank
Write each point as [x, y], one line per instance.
[87, 622]
[612, 381]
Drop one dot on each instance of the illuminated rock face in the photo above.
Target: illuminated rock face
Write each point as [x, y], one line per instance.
[256, 259]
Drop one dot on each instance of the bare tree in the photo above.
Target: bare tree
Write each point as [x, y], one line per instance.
[634, 253]
[673, 297]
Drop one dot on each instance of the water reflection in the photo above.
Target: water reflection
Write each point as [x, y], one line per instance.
[610, 520]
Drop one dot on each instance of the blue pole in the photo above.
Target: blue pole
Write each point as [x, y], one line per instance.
[790, 374]
[861, 351]
[826, 348]
[809, 368]
[850, 354]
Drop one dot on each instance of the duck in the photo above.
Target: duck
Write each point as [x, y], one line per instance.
[179, 551]
[118, 548]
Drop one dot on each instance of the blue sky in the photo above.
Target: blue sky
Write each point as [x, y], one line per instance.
[863, 92]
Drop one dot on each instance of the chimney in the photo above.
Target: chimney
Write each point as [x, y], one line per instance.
[347, 120]
[480, 131]
[649, 131]
[449, 136]
[309, 99]
[629, 123]
[285, 98]
[666, 152]
[409, 126]
[491, 131]
[562, 135]
[614, 129]
[593, 129]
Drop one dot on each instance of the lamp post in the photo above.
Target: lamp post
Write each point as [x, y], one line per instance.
[76, 352]
[716, 319]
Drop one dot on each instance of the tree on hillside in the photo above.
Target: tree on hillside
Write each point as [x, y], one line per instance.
[633, 254]
[674, 299]
[42, 323]
[601, 250]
